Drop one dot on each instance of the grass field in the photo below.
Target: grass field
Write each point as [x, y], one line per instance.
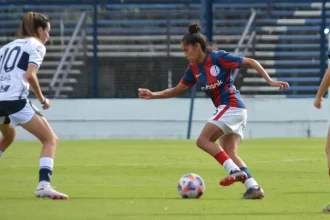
[137, 179]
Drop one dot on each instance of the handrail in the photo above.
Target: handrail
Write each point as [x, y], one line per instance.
[244, 34]
[249, 43]
[68, 68]
[67, 53]
[246, 30]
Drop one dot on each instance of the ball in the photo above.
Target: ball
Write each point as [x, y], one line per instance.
[191, 186]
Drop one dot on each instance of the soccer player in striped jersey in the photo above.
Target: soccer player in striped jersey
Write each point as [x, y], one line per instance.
[325, 83]
[213, 71]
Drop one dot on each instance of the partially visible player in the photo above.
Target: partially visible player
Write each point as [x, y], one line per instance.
[325, 83]
[213, 71]
[19, 64]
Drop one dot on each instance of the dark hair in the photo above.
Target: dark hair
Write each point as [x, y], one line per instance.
[31, 22]
[194, 36]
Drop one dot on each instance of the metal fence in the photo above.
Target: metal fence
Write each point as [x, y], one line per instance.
[131, 44]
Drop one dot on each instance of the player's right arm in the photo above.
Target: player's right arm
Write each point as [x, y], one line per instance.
[325, 83]
[167, 93]
[187, 81]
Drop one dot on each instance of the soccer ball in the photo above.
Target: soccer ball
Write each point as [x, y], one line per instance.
[191, 186]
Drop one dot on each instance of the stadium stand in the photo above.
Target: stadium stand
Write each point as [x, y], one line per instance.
[139, 43]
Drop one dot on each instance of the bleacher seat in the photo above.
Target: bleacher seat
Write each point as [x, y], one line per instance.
[287, 42]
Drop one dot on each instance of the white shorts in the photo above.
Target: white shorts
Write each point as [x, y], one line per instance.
[230, 120]
[23, 116]
[17, 112]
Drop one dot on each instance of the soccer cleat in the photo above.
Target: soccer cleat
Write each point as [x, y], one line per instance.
[234, 177]
[47, 191]
[254, 193]
[326, 209]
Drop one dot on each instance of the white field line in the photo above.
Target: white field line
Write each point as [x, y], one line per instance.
[159, 164]
[288, 160]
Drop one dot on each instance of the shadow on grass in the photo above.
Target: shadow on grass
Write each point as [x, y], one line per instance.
[222, 214]
[304, 193]
[147, 198]
[31, 198]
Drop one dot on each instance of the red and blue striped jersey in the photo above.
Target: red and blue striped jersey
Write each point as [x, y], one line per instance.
[214, 76]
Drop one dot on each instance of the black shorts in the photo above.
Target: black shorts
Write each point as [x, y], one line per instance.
[10, 107]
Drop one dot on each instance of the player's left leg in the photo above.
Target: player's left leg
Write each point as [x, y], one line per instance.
[32, 121]
[327, 150]
[39, 127]
[230, 144]
[8, 135]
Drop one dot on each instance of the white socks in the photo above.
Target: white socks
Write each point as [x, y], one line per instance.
[45, 172]
[46, 162]
[230, 166]
[251, 182]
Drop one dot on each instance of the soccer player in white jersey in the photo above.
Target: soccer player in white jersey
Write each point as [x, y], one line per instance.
[19, 64]
[325, 83]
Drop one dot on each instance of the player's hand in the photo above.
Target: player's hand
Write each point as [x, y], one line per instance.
[318, 102]
[46, 104]
[145, 93]
[281, 85]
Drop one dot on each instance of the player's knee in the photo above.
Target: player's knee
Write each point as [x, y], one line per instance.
[7, 140]
[52, 141]
[200, 142]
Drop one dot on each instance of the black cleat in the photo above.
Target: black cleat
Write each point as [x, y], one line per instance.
[254, 193]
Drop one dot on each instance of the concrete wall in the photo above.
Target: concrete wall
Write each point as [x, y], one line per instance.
[168, 118]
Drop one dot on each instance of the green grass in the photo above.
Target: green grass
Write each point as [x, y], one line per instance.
[136, 179]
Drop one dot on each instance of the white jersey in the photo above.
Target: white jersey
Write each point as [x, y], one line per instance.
[14, 60]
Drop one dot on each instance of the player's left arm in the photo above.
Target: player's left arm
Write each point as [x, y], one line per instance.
[37, 53]
[252, 63]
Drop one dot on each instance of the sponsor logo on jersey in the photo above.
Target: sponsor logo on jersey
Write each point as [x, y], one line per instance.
[4, 88]
[5, 78]
[212, 86]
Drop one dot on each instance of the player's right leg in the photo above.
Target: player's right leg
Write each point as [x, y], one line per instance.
[206, 141]
[7, 127]
[327, 150]
[8, 135]
[32, 121]
[230, 143]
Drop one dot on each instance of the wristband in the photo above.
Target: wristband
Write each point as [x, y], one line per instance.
[43, 102]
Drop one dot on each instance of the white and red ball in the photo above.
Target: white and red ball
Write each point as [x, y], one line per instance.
[191, 186]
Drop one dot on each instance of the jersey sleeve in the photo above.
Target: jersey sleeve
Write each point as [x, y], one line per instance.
[188, 79]
[228, 60]
[37, 53]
